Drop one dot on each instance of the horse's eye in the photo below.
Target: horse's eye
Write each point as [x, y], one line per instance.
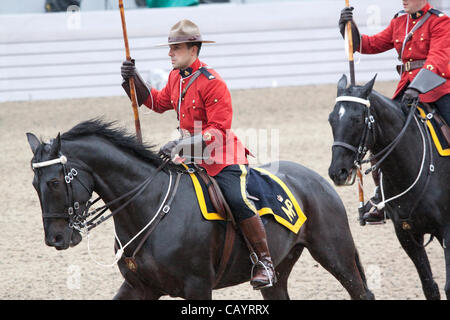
[53, 183]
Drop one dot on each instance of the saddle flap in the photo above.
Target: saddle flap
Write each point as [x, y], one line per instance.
[440, 131]
[216, 196]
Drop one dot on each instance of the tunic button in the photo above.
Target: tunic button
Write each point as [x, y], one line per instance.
[193, 107]
[193, 101]
[443, 74]
[182, 115]
[215, 100]
[421, 39]
[396, 40]
[409, 73]
[410, 49]
[414, 22]
[183, 81]
[410, 59]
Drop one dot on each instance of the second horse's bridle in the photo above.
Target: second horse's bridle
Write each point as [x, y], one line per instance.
[361, 150]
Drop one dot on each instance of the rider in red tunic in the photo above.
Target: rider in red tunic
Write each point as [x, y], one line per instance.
[421, 36]
[202, 102]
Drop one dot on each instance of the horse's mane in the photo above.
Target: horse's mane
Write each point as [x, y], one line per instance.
[117, 136]
[388, 101]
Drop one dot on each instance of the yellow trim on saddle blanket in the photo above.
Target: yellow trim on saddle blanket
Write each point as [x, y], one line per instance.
[288, 203]
[437, 143]
[288, 208]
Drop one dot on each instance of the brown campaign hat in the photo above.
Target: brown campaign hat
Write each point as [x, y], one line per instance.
[184, 31]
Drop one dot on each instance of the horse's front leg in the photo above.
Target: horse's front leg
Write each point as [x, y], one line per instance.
[446, 245]
[418, 255]
[128, 292]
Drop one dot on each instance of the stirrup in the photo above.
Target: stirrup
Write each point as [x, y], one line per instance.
[373, 209]
[255, 261]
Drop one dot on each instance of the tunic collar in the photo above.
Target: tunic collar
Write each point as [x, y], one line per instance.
[184, 73]
[421, 12]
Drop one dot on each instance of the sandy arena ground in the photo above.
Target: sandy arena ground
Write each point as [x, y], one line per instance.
[31, 270]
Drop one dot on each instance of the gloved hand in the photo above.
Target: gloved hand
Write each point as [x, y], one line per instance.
[128, 69]
[346, 15]
[409, 97]
[166, 150]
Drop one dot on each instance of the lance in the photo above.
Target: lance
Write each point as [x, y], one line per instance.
[134, 105]
[351, 64]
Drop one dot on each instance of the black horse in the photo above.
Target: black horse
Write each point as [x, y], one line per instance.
[180, 257]
[415, 179]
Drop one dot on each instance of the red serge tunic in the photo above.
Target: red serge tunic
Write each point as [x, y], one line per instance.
[205, 108]
[430, 42]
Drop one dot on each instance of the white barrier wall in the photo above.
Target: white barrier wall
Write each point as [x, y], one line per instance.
[66, 55]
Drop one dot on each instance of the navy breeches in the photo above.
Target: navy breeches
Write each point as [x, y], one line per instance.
[233, 181]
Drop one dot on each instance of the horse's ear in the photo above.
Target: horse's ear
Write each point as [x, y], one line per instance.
[342, 84]
[56, 146]
[33, 141]
[367, 88]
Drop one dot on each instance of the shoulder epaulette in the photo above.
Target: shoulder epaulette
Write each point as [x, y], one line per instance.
[206, 73]
[400, 13]
[436, 12]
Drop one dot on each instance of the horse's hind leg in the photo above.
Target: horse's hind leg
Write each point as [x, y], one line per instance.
[339, 257]
[279, 290]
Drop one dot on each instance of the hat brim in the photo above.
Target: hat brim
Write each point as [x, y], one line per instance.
[178, 42]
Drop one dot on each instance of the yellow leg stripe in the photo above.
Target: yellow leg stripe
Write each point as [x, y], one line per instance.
[243, 188]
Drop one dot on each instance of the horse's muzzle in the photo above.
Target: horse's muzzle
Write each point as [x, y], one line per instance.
[342, 176]
[63, 240]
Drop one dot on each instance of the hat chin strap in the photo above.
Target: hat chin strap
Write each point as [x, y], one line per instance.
[353, 99]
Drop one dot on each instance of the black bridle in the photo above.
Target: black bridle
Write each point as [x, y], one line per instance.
[361, 150]
[78, 219]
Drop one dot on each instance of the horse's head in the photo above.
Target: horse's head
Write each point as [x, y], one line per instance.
[349, 122]
[63, 192]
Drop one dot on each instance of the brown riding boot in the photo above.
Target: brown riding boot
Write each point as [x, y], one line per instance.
[263, 273]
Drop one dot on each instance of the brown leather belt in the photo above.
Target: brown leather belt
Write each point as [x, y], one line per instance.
[410, 65]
